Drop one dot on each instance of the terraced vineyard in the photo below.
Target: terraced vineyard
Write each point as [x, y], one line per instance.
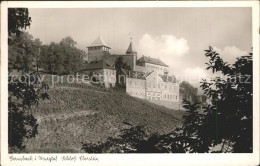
[78, 113]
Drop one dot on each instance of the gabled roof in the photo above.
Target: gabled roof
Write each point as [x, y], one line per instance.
[136, 74]
[99, 42]
[131, 48]
[98, 64]
[169, 78]
[145, 59]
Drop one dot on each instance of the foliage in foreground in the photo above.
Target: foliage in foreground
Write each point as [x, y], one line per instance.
[189, 92]
[22, 95]
[23, 91]
[225, 122]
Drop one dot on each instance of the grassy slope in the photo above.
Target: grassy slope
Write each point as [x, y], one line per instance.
[75, 115]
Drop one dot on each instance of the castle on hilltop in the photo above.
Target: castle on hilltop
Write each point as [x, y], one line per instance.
[147, 78]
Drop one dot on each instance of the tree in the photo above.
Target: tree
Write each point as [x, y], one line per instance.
[25, 90]
[62, 58]
[23, 52]
[74, 56]
[119, 65]
[232, 101]
[188, 91]
[227, 121]
[23, 93]
[18, 19]
[133, 139]
[68, 42]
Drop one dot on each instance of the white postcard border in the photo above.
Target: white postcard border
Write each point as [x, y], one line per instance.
[132, 159]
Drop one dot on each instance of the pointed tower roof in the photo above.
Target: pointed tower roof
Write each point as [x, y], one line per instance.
[99, 42]
[131, 48]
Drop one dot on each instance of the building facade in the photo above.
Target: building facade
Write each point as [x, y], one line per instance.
[100, 71]
[148, 77]
[159, 89]
[152, 64]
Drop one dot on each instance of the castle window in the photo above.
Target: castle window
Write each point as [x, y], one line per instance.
[158, 96]
[149, 85]
[159, 86]
[165, 87]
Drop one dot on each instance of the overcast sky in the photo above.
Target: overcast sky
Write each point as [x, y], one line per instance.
[177, 36]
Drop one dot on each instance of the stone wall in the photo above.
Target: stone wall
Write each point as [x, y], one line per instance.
[97, 54]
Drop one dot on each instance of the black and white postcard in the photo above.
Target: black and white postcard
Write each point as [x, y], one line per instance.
[130, 83]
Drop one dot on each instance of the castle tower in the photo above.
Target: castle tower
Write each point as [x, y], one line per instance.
[98, 49]
[131, 50]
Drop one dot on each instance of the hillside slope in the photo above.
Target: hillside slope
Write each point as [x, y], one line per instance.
[75, 115]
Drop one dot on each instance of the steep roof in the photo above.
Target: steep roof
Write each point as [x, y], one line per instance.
[131, 48]
[98, 64]
[145, 59]
[143, 75]
[136, 74]
[99, 42]
[169, 78]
